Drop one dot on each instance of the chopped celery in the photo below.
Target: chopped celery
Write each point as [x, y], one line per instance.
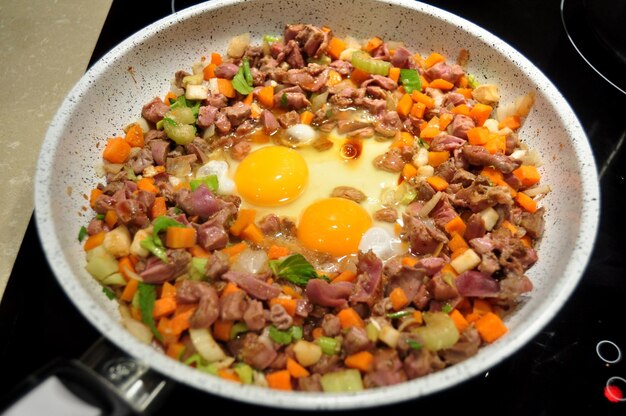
[439, 332]
[193, 79]
[361, 60]
[280, 337]
[372, 332]
[114, 279]
[130, 173]
[329, 346]
[296, 332]
[181, 133]
[244, 371]
[342, 381]
[238, 328]
[198, 266]
[160, 252]
[182, 115]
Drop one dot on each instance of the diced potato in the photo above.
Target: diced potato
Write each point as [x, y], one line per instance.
[117, 241]
[101, 263]
[466, 261]
[490, 217]
[193, 80]
[135, 247]
[486, 94]
[197, 67]
[197, 92]
[307, 353]
[389, 335]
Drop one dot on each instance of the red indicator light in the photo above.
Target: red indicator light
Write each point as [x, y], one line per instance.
[613, 394]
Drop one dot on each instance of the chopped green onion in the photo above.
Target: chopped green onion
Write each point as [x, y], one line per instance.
[82, 233]
[361, 60]
[210, 182]
[201, 364]
[108, 292]
[246, 72]
[280, 337]
[414, 344]
[147, 297]
[399, 314]
[238, 328]
[410, 79]
[329, 346]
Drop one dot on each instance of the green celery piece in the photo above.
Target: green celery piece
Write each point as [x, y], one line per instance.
[160, 252]
[130, 173]
[361, 60]
[198, 267]
[410, 79]
[238, 328]
[147, 297]
[329, 346]
[280, 337]
[296, 332]
[100, 216]
[244, 371]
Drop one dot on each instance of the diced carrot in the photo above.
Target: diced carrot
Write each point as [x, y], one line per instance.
[496, 144]
[248, 99]
[457, 241]
[461, 109]
[235, 248]
[465, 92]
[180, 321]
[398, 298]
[95, 193]
[417, 315]
[441, 84]
[221, 330]
[437, 158]
[209, 71]
[216, 58]
[472, 317]
[429, 133]
[405, 139]
[480, 112]
[129, 290]
[409, 261]
[456, 253]
[372, 44]
[229, 289]
[437, 182]
[306, 117]
[478, 136]
[317, 332]
[404, 105]
[228, 374]
[509, 226]
[197, 251]
[445, 120]
[134, 136]
[276, 252]
[447, 268]
[433, 59]
[526, 202]
[288, 304]
[266, 96]
[490, 327]
[419, 60]
[492, 174]
[147, 184]
[481, 307]
[349, 318]
[295, 369]
[126, 267]
[457, 225]
[420, 97]
[94, 241]
[464, 83]
[361, 361]
[394, 73]
[169, 96]
[409, 171]
[116, 150]
[418, 110]
[459, 320]
[335, 47]
[245, 217]
[358, 76]
[110, 218]
[279, 380]
[345, 276]
[159, 207]
[175, 350]
[527, 174]
[424, 82]
[527, 241]
[334, 78]
[225, 86]
[290, 291]
[180, 237]
[164, 306]
[253, 234]
[168, 290]
[512, 122]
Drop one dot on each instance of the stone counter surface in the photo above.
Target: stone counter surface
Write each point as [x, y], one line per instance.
[45, 47]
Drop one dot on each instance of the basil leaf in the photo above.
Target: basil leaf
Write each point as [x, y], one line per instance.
[108, 292]
[246, 72]
[240, 84]
[82, 233]
[280, 337]
[294, 268]
[210, 182]
[410, 79]
[147, 297]
[414, 344]
[160, 252]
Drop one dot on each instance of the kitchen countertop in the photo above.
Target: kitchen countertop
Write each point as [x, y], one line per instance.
[45, 46]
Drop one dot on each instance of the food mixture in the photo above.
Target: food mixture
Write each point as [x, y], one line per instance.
[319, 213]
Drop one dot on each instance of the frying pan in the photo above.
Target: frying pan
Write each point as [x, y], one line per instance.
[110, 95]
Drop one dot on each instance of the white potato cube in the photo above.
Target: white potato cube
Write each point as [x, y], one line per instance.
[117, 241]
[466, 261]
[197, 92]
[490, 217]
[307, 353]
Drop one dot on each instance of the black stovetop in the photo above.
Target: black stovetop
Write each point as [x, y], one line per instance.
[558, 372]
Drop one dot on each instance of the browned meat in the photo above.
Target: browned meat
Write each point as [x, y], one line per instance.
[216, 100]
[461, 124]
[403, 58]
[289, 119]
[480, 195]
[155, 110]
[445, 141]
[466, 347]
[292, 100]
[206, 116]
[95, 226]
[208, 302]
[387, 370]
[442, 70]
[222, 124]
[160, 149]
[233, 306]
[326, 364]
[383, 82]
[348, 192]
[431, 265]
[254, 316]
[463, 177]
[132, 212]
[422, 362]
[374, 106]
[423, 238]
[320, 292]
[390, 161]
[311, 383]
[479, 156]
[369, 279]
[454, 99]
[217, 264]
[443, 212]
[475, 227]
[253, 284]
[382, 53]
[331, 325]
[355, 340]
[257, 351]
[269, 122]
[237, 113]
[240, 150]
[199, 148]
[280, 318]
[533, 223]
[386, 215]
[408, 278]
[346, 126]
[178, 78]
[104, 203]
[303, 307]
[154, 134]
[476, 284]
[291, 54]
[226, 70]
[342, 67]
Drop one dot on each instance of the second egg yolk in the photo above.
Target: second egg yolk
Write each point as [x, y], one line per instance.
[334, 226]
[272, 176]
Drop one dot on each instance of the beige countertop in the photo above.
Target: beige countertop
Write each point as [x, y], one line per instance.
[45, 47]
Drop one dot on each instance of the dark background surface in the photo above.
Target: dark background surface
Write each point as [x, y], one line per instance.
[556, 373]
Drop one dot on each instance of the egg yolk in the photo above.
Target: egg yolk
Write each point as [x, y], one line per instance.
[334, 226]
[271, 176]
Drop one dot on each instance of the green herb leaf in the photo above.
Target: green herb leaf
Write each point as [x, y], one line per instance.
[148, 244]
[239, 82]
[280, 337]
[414, 344]
[446, 308]
[82, 233]
[294, 268]
[108, 292]
[246, 72]
[160, 224]
[147, 297]
[283, 100]
[399, 314]
[210, 181]
[410, 79]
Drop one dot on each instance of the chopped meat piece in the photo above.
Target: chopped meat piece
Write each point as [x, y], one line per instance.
[348, 192]
[155, 110]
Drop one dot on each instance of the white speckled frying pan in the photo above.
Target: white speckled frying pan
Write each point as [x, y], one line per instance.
[107, 98]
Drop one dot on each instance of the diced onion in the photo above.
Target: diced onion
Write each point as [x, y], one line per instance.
[205, 345]
[430, 205]
[381, 242]
[138, 329]
[318, 101]
[250, 261]
[301, 134]
[538, 190]
[520, 107]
